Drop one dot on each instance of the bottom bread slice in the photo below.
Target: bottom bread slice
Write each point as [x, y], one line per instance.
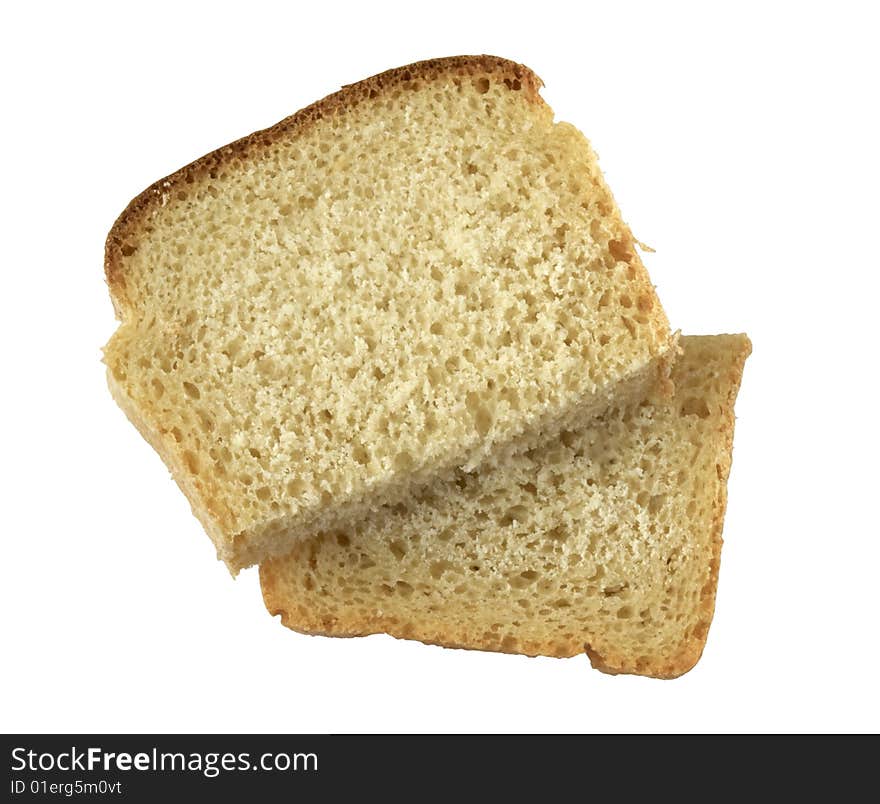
[605, 541]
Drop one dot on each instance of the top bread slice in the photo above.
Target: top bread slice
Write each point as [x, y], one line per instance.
[394, 281]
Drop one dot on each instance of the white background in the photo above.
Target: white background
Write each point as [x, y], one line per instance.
[741, 144]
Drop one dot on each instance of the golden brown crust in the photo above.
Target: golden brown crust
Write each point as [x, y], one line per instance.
[602, 656]
[305, 622]
[338, 103]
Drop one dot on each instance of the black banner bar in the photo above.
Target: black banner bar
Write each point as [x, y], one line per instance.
[177, 767]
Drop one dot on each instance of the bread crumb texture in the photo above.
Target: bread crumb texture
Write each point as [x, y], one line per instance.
[605, 540]
[387, 284]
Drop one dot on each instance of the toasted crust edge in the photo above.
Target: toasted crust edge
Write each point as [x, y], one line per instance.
[601, 658]
[347, 98]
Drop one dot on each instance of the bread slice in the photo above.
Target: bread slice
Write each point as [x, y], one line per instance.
[389, 283]
[606, 541]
